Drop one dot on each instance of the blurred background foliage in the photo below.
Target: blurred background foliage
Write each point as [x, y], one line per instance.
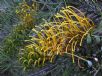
[14, 30]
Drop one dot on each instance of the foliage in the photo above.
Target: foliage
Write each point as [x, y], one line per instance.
[11, 47]
[12, 44]
[9, 66]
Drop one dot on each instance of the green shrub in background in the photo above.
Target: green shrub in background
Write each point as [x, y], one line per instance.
[11, 45]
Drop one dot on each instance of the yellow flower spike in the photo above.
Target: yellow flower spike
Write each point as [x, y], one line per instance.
[17, 11]
[25, 62]
[39, 34]
[73, 51]
[21, 59]
[39, 61]
[73, 38]
[85, 35]
[63, 35]
[30, 54]
[44, 59]
[35, 62]
[30, 61]
[52, 58]
[59, 48]
[67, 48]
[75, 45]
[26, 12]
[72, 8]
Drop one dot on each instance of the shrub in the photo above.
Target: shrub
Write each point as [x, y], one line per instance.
[64, 35]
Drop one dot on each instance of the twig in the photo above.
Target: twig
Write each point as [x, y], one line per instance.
[46, 70]
[42, 2]
[97, 71]
[77, 56]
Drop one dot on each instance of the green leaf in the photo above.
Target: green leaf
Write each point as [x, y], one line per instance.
[99, 28]
[97, 39]
[89, 40]
[66, 73]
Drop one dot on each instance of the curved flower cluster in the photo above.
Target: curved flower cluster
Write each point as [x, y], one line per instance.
[63, 35]
[26, 12]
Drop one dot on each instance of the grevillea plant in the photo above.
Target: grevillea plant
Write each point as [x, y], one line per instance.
[27, 12]
[63, 35]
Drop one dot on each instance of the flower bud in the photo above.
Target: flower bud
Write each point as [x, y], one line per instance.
[89, 63]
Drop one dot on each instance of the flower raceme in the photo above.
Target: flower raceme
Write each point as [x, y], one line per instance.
[26, 12]
[75, 27]
[63, 35]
